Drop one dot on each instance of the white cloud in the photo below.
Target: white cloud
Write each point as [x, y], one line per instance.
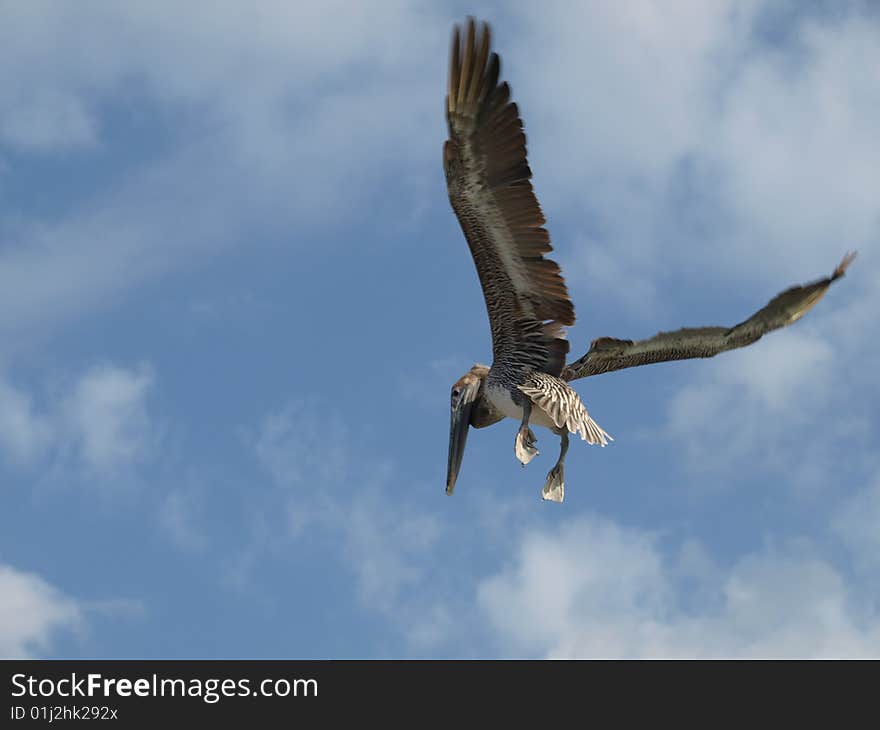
[387, 547]
[98, 424]
[590, 572]
[187, 55]
[789, 404]
[798, 140]
[594, 589]
[107, 417]
[299, 104]
[298, 447]
[178, 518]
[47, 122]
[31, 612]
[857, 525]
[24, 433]
[371, 522]
[759, 403]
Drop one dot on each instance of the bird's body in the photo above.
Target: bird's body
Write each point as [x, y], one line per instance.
[489, 184]
[554, 403]
[507, 400]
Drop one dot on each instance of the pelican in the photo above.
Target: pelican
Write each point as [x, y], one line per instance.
[489, 183]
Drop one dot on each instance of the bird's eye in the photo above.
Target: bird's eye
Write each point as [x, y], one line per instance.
[455, 393]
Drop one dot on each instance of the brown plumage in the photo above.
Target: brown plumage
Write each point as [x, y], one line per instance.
[488, 180]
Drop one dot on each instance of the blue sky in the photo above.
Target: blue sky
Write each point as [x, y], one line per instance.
[235, 299]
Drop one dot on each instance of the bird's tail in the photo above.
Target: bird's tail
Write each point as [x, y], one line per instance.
[590, 431]
[564, 406]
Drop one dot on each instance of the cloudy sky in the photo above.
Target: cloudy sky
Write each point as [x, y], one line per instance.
[235, 299]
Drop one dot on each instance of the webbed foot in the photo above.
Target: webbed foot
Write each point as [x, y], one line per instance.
[524, 447]
[554, 489]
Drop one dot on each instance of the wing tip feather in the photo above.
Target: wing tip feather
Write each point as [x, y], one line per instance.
[844, 265]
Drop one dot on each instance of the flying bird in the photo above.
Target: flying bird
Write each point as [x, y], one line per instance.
[489, 183]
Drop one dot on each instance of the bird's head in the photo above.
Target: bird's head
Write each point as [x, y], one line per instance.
[465, 393]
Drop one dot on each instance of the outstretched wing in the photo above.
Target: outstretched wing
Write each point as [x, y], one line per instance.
[607, 354]
[488, 179]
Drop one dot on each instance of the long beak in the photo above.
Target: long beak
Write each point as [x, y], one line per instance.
[458, 431]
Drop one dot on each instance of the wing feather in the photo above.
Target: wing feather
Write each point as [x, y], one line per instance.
[489, 183]
[607, 353]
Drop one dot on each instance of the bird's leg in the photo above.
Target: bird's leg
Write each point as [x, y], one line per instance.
[554, 489]
[524, 446]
